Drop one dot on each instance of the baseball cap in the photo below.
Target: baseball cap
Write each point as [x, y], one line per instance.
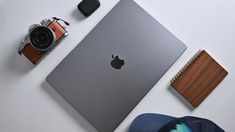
[163, 123]
[149, 122]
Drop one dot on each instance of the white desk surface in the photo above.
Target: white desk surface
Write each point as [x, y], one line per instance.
[29, 104]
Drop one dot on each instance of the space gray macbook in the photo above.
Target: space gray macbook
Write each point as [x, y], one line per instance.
[116, 65]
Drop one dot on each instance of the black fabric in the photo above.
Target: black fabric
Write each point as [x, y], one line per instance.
[87, 7]
[170, 126]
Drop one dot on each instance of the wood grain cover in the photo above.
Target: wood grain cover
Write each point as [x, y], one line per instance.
[199, 78]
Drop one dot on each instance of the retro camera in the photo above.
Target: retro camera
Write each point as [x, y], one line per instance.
[42, 38]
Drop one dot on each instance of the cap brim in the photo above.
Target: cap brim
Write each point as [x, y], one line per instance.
[149, 122]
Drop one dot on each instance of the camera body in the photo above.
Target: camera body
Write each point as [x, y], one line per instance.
[42, 38]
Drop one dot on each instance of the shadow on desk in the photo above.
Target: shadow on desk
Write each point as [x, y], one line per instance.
[16, 63]
[180, 98]
[67, 107]
[19, 64]
[78, 15]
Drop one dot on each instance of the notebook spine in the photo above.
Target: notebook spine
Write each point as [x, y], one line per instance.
[187, 65]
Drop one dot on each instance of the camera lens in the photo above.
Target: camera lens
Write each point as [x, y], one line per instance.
[42, 38]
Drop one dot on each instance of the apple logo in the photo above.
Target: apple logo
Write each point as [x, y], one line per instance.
[116, 62]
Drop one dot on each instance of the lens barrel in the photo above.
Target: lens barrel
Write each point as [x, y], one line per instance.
[41, 38]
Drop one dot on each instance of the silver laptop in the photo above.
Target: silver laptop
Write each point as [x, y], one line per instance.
[116, 65]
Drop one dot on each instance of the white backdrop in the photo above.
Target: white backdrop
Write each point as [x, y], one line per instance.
[29, 104]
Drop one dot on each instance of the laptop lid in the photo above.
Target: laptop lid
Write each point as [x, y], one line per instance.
[116, 65]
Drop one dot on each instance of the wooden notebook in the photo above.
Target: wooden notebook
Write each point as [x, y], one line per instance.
[198, 78]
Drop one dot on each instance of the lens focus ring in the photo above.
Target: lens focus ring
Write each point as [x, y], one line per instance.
[42, 38]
